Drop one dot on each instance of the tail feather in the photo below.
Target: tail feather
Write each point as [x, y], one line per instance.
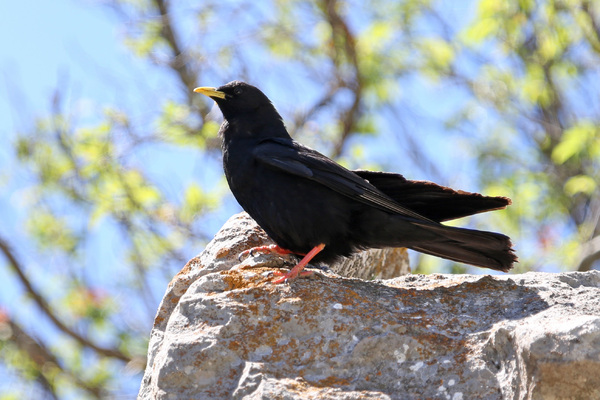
[480, 248]
[436, 203]
[433, 201]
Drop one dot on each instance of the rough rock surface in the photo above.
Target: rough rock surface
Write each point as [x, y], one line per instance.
[374, 264]
[224, 331]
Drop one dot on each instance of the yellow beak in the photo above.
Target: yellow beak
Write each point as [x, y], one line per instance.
[210, 92]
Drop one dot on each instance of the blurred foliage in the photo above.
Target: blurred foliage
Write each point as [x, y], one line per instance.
[538, 64]
[526, 73]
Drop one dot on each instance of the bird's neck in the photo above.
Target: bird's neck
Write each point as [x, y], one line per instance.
[256, 125]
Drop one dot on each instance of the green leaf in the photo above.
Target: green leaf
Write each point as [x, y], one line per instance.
[480, 31]
[580, 184]
[439, 52]
[573, 142]
[177, 125]
[51, 231]
[195, 201]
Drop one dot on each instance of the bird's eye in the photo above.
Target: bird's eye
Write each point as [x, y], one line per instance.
[238, 91]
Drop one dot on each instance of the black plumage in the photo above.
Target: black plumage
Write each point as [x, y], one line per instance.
[306, 201]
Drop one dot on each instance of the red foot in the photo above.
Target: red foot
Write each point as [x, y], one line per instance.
[287, 277]
[272, 248]
[297, 270]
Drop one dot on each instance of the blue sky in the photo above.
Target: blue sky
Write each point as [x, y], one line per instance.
[45, 44]
[39, 45]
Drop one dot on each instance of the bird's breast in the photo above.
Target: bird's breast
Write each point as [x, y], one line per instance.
[296, 213]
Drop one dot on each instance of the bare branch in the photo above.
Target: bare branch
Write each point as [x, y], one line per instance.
[43, 359]
[180, 61]
[341, 33]
[593, 41]
[590, 253]
[17, 267]
[301, 118]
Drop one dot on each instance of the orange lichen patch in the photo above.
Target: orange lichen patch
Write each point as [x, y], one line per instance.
[223, 252]
[158, 320]
[187, 267]
[234, 280]
[253, 307]
[332, 381]
[468, 323]
[299, 385]
[430, 338]
[173, 299]
[334, 348]
[237, 280]
[409, 293]
[234, 345]
[488, 282]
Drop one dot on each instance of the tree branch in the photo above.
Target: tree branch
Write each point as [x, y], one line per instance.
[341, 31]
[180, 62]
[17, 267]
[595, 28]
[43, 359]
[590, 253]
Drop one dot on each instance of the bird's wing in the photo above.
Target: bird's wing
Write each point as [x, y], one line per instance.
[296, 159]
[433, 201]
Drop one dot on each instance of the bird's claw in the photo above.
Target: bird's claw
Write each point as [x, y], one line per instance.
[267, 249]
[287, 278]
[245, 253]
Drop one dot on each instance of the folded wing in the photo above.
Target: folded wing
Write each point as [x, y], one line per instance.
[438, 203]
[293, 158]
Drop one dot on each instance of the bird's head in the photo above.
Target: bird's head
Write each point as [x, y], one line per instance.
[237, 98]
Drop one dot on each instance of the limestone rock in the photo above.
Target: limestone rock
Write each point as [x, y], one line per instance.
[224, 331]
[374, 264]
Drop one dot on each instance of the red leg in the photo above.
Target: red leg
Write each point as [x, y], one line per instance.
[272, 248]
[297, 270]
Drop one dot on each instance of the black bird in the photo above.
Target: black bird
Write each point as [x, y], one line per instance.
[312, 206]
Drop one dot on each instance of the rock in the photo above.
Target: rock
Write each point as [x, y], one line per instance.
[224, 331]
[374, 264]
